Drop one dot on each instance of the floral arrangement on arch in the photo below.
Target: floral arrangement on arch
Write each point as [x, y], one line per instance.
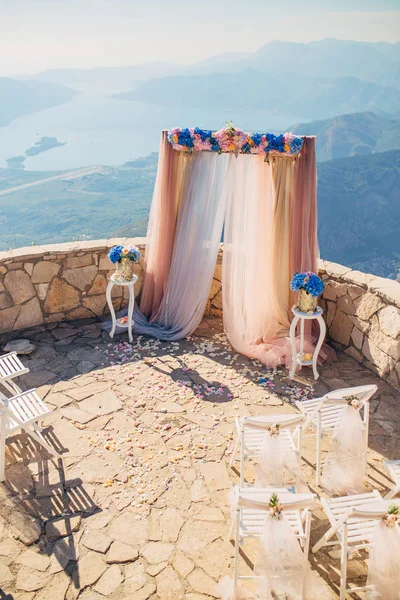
[309, 282]
[130, 252]
[231, 139]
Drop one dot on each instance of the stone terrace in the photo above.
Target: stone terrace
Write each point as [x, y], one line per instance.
[133, 504]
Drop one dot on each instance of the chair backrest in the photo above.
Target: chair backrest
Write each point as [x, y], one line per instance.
[283, 421]
[290, 502]
[339, 397]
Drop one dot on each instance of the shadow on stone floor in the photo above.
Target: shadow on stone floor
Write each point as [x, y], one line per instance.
[47, 508]
[216, 392]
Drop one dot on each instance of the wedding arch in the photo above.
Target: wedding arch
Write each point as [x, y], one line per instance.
[259, 190]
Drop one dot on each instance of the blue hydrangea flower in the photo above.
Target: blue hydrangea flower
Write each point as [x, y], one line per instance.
[134, 254]
[309, 282]
[256, 137]
[296, 145]
[297, 282]
[115, 254]
[315, 285]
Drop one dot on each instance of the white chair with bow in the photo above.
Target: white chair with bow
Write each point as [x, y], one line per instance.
[252, 514]
[251, 432]
[363, 522]
[324, 415]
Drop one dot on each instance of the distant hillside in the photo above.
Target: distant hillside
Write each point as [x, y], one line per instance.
[18, 98]
[359, 211]
[352, 134]
[278, 93]
[94, 206]
[359, 208]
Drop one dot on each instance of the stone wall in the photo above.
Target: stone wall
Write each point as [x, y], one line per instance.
[362, 313]
[63, 282]
[68, 281]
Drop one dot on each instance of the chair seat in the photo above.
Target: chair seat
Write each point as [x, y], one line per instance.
[329, 414]
[254, 438]
[11, 366]
[27, 407]
[359, 530]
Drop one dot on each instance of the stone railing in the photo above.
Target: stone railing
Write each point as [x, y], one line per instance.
[62, 282]
[362, 314]
[45, 284]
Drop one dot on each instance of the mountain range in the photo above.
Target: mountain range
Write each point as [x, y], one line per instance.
[264, 92]
[352, 134]
[373, 62]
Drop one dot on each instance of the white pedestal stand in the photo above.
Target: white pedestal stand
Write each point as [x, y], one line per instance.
[298, 359]
[131, 286]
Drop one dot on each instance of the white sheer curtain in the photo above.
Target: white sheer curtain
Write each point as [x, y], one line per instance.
[278, 465]
[197, 238]
[248, 298]
[344, 471]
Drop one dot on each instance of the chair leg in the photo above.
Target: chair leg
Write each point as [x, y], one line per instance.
[2, 448]
[242, 459]
[393, 492]
[319, 444]
[343, 564]
[236, 557]
[235, 451]
[307, 531]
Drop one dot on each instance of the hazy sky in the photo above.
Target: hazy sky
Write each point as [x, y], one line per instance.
[41, 34]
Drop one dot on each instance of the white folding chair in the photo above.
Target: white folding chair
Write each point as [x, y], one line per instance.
[393, 466]
[11, 367]
[353, 528]
[323, 414]
[251, 432]
[21, 412]
[250, 513]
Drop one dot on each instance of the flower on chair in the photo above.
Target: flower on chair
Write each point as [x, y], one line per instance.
[275, 509]
[392, 516]
[353, 401]
[274, 429]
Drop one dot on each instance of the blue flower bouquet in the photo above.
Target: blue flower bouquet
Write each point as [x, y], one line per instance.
[310, 287]
[123, 257]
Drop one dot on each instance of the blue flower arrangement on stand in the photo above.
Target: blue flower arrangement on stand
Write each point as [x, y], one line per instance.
[310, 287]
[123, 257]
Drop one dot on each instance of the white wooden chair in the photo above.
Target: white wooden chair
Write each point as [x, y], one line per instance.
[353, 520]
[249, 517]
[393, 466]
[21, 412]
[251, 432]
[11, 367]
[323, 413]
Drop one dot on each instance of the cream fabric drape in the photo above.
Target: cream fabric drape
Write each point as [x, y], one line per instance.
[257, 258]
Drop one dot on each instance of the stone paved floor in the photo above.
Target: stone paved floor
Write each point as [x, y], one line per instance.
[133, 504]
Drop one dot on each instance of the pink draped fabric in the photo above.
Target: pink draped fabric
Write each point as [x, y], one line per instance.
[304, 252]
[161, 228]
